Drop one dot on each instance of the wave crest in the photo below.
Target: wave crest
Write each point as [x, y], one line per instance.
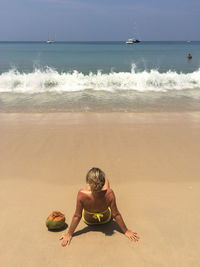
[49, 80]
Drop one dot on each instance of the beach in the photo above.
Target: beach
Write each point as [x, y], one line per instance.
[151, 161]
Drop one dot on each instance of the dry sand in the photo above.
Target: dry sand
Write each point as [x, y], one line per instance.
[152, 162]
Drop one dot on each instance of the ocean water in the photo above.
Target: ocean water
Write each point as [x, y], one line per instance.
[99, 76]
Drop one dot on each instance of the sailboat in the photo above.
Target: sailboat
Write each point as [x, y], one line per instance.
[50, 41]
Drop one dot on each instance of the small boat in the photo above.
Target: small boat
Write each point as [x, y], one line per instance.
[50, 41]
[132, 41]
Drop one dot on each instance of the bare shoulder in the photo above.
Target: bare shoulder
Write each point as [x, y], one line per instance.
[82, 194]
[110, 194]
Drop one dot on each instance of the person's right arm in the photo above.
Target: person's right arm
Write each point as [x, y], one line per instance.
[118, 218]
[66, 238]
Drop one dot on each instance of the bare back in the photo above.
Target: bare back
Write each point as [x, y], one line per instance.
[96, 202]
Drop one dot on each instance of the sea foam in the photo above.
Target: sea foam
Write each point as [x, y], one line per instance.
[50, 80]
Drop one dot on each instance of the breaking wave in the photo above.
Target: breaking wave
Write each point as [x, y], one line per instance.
[49, 80]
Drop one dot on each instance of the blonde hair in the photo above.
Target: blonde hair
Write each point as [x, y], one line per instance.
[96, 179]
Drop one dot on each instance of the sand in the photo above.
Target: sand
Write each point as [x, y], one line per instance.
[152, 162]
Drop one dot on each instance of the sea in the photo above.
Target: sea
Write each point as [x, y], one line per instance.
[99, 76]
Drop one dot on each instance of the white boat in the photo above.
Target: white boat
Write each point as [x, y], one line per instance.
[50, 41]
[132, 41]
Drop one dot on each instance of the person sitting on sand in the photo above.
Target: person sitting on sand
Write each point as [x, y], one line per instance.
[96, 205]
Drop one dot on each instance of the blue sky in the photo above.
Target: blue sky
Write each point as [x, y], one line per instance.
[78, 20]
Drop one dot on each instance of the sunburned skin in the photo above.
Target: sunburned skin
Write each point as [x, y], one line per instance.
[97, 202]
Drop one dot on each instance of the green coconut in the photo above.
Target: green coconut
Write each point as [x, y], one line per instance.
[55, 222]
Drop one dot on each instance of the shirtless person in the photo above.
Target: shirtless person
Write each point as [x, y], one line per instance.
[96, 205]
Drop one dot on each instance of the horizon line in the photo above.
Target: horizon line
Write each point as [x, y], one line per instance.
[60, 41]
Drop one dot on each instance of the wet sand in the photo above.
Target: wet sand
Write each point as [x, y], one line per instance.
[152, 162]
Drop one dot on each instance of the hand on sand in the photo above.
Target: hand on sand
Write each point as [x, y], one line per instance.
[132, 235]
[66, 239]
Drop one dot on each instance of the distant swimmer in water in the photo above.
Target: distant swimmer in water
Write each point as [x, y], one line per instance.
[189, 56]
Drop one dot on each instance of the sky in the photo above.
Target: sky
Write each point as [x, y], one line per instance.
[99, 20]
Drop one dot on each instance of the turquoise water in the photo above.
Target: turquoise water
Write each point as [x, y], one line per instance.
[94, 56]
[99, 76]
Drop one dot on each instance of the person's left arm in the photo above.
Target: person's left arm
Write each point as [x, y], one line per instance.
[133, 236]
[66, 238]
